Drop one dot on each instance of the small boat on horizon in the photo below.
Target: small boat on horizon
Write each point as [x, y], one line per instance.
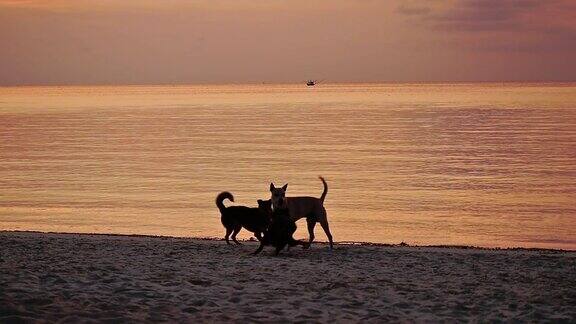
[311, 83]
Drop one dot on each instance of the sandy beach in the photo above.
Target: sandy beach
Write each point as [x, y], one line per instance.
[74, 278]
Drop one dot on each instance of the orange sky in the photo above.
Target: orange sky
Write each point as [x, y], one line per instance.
[176, 41]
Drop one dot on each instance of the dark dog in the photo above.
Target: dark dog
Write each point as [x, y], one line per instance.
[311, 208]
[255, 220]
[280, 231]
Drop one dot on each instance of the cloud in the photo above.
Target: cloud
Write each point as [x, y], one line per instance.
[514, 25]
[483, 15]
[413, 10]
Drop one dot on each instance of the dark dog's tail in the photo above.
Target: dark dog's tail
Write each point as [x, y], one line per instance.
[325, 192]
[220, 200]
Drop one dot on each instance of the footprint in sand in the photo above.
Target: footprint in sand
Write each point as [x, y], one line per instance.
[234, 300]
[198, 282]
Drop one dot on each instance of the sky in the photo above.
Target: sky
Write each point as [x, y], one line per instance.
[55, 42]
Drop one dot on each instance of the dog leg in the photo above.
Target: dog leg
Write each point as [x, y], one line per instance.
[236, 231]
[259, 248]
[311, 223]
[294, 242]
[228, 232]
[326, 229]
[323, 219]
[279, 248]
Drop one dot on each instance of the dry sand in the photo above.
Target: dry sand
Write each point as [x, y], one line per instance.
[102, 278]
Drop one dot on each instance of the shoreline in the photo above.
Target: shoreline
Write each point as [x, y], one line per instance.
[336, 243]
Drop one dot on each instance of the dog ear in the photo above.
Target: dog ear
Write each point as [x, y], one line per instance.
[272, 186]
[285, 187]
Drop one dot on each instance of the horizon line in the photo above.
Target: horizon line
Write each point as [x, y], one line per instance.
[274, 83]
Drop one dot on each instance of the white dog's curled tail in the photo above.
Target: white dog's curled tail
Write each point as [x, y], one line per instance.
[325, 192]
[220, 200]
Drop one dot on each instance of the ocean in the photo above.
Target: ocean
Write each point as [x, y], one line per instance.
[485, 164]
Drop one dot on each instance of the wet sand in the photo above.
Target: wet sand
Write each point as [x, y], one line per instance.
[112, 278]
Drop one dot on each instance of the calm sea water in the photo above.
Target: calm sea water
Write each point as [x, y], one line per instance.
[482, 164]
